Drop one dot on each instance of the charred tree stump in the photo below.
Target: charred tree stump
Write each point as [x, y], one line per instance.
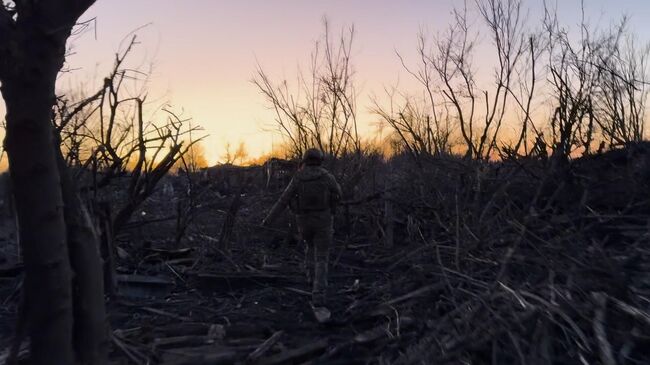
[107, 248]
[348, 220]
[181, 223]
[229, 223]
[389, 213]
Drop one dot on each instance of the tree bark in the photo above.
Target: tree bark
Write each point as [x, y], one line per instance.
[90, 326]
[107, 247]
[33, 37]
[39, 207]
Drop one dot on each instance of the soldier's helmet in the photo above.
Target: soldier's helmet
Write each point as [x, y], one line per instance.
[313, 157]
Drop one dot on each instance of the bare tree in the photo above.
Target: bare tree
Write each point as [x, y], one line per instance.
[108, 135]
[573, 80]
[598, 87]
[620, 101]
[523, 94]
[322, 111]
[420, 130]
[231, 157]
[109, 143]
[194, 160]
[189, 165]
[452, 92]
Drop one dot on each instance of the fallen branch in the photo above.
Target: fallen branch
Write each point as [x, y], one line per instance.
[264, 347]
[298, 355]
[606, 353]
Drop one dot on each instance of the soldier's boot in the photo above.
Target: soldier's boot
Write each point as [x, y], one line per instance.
[319, 291]
[322, 314]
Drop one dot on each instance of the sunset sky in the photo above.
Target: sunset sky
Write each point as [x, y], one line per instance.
[204, 52]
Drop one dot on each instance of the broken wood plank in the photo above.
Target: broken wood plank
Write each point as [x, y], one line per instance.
[130, 351]
[207, 355]
[414, 294]
[183, 261]
[175, 253]
[182, 329]
[298, 355]
[242, 279]
[182, 341]
[166, 314]
[143, 286]
[143, 279]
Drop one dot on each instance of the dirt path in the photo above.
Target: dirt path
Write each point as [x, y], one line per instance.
[256, 315]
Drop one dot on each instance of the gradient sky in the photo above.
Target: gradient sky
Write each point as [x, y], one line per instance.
[205, 52]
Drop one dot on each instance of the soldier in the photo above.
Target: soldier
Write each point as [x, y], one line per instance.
[313, 194]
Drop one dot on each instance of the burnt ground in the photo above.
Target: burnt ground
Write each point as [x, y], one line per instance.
[222, 305]
[196, 304]
[487, 267]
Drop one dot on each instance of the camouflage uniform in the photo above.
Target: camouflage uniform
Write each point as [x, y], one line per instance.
[313, 194]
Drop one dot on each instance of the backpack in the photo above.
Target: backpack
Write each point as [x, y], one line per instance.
[313, 195]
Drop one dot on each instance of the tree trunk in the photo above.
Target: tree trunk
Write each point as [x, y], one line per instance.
[39, 208]
[90, 327]
[33, 36]
[389, 213]
[107, 247]
[229, 223]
